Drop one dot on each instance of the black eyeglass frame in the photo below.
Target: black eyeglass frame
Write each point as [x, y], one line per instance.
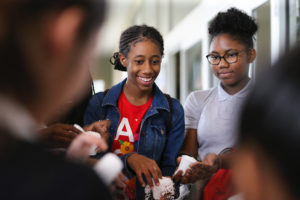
[220, 57]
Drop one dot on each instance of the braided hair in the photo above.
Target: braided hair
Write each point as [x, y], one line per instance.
[236, 23]
[131, 36]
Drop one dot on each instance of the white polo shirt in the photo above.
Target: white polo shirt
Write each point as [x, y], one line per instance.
[214, 114]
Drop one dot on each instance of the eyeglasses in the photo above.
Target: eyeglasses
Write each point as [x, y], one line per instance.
[229, 57]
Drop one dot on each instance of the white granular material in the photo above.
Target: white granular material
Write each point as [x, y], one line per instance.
[165, 189]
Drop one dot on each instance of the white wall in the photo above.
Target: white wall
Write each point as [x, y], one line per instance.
[193, 29]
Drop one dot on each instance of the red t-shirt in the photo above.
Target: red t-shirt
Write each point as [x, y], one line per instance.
[127, 136]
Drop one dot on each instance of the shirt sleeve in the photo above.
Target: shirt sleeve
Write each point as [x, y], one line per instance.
[193, 107]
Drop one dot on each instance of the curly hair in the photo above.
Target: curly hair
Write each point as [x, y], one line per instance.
[236, 23]
[132, 35]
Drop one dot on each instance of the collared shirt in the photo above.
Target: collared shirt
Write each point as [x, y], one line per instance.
[214, 114]
[17, 119]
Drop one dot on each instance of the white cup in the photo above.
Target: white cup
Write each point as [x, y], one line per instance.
[93, 147]
[92, 133]
[108, 167]
[185, 162]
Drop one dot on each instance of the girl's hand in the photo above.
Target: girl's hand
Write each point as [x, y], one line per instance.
[202, 170]
[120, 181]
[58, 135]
[100, 127]
[80, 147]
[142, 165]
[177, 177]
[197, 171]
[213, 160]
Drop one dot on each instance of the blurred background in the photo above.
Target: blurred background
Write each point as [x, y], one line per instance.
[183, 24]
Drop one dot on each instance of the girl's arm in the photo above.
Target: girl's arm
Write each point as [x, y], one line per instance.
[189, 147]
[190, 143]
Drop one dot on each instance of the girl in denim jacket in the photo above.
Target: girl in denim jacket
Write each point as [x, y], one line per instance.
[139, 112]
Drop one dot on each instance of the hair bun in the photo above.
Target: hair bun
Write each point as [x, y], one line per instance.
[115, 60]
[233, 21]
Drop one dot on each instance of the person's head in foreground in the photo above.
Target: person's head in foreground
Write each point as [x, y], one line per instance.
[267, 165]
[45, 48]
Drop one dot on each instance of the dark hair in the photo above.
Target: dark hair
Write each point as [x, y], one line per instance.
[18, 19]
[271, 118]
[132, 35]
[236, 23]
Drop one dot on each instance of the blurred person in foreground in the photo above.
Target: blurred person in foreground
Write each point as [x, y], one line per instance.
[267, 165]
[59, 131]
[44, 48]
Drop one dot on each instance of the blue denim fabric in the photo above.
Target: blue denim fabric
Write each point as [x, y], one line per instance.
[153, 142]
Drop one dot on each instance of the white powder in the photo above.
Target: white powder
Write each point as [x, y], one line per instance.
[165, 190]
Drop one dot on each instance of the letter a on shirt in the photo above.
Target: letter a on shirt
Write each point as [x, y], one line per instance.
[128, 131]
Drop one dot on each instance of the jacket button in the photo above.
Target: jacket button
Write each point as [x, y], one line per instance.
[162, 131]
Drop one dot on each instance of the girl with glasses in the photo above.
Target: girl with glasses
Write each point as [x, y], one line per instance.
[210, 115]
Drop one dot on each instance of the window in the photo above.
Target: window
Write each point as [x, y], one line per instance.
[262, 15]
[194, 68]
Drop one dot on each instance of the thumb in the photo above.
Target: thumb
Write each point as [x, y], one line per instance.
[178, 160]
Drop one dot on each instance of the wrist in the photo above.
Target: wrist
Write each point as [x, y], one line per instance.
[183, 153]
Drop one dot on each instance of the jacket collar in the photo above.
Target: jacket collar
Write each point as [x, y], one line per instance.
[159, 99]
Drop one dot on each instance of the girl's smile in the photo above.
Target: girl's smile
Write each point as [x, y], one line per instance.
[143, 64]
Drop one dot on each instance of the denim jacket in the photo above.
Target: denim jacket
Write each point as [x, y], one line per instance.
[154, 142]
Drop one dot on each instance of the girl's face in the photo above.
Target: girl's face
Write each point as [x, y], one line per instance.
[234, 73]
[143, 64]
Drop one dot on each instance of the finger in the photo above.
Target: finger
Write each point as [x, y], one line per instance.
[99, 126]
[140, 178]
[184, 180]
[195, 164]
[188, 172]
[106, 123]
[120, 181]
[69, 127]
[65, 133]
[205, 161]
[177, 176]
[178, 160]
[92, 140]
[95, 127]
[88, 127]
[122, 177]
[211, 162]
[101, 144]
[155, 175]
[187, 178]
[148, 178]
[159, 173]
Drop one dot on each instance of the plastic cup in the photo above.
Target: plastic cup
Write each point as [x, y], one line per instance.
[184, 163]
[93, 147]
[93, 133]
[108, 167]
